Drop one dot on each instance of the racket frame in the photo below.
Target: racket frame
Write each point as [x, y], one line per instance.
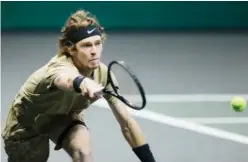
[115, 92]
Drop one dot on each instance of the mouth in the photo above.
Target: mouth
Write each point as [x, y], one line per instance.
[96, 59]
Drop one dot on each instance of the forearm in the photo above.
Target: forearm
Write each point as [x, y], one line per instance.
[65, 81]
[132, 132]
[129, 127]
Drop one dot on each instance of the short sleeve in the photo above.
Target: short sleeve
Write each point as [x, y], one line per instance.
[55, 68]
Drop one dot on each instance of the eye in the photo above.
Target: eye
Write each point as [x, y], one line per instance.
[98, 43]
[86, 45]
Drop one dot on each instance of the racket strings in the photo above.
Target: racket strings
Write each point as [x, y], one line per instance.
[126, 85]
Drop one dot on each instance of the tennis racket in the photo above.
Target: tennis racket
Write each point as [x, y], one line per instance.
[121, 82]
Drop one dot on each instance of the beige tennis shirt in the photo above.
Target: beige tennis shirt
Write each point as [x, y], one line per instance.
[38, 100]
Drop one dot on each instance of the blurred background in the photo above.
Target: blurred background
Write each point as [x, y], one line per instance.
[192, 50]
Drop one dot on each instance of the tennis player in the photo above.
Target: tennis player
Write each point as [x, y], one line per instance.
[51, 103]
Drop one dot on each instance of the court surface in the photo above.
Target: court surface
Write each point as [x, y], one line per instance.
[188, 77]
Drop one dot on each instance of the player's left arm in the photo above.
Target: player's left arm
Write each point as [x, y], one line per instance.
[131, 130]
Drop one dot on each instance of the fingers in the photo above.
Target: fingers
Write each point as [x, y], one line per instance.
[99, 93]
[92, 94]
[92, 90]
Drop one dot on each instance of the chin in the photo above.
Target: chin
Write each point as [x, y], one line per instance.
[94, 66]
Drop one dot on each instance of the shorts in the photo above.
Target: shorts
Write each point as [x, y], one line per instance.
[35, 146]
[35, 149]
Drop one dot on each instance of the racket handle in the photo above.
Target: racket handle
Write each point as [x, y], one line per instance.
[99, 93]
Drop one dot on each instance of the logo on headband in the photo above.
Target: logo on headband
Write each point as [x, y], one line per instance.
[90, 31]
[77, 34]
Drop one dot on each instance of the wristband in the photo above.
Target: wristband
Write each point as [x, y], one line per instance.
[144, 153]
[76, 83]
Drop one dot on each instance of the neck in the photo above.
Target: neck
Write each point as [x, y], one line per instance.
[85, 71]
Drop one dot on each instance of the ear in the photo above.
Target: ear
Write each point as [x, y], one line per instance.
[72, 50]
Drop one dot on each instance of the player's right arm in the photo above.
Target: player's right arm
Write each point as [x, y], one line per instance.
[65, 76]
[64, 81]
[70, 82]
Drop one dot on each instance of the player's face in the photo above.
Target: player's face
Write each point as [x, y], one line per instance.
[89, 52]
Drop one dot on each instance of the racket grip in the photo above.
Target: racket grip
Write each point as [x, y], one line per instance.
[99, 93]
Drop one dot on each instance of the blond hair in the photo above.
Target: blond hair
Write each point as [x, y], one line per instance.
[80, 18]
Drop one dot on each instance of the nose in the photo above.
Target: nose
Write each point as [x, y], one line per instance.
[93, 53]
[93, 50]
